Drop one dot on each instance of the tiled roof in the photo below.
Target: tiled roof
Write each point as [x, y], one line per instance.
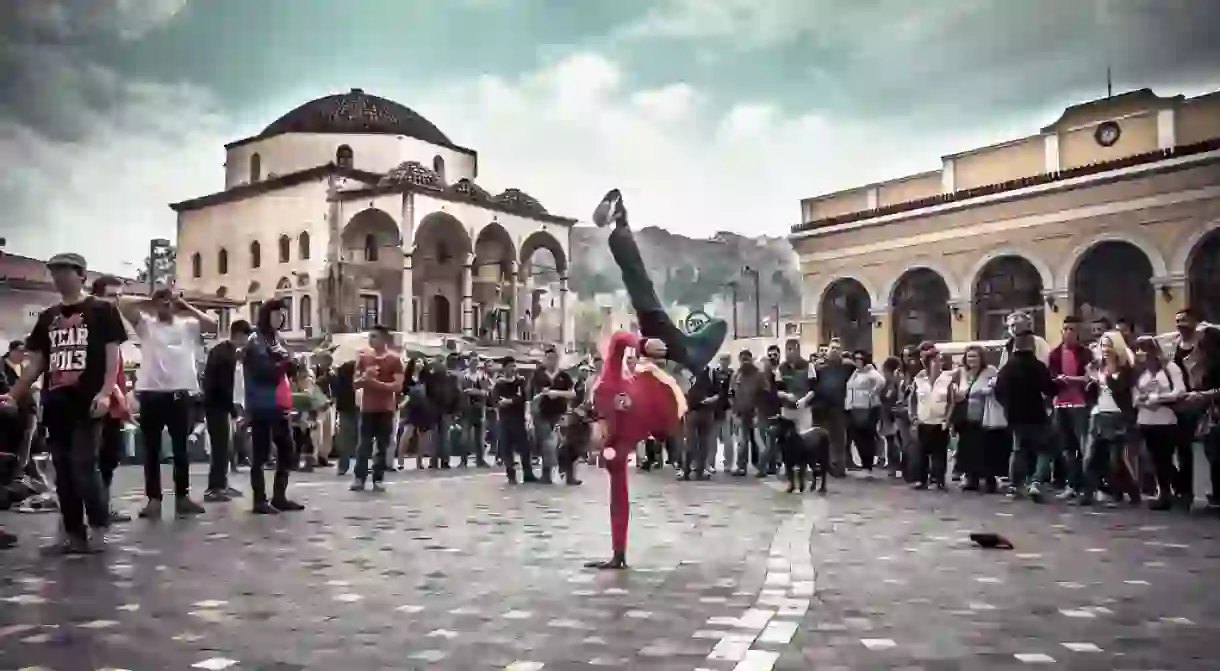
[1013, 184]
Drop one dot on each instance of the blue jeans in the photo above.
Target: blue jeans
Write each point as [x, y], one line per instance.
[1032, 443]
[1072, 431]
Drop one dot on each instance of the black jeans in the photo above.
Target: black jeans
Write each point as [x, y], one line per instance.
[110, 452]
[970, 451]
[933, 453]
[862, 431]
[265, 430]
[161, 410]
[1161, 441]
[376, 431]
[73, 437]
[1184, 447]
[220, 437]
[514, 441]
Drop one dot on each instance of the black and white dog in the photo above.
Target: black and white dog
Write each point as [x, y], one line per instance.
[802, 453]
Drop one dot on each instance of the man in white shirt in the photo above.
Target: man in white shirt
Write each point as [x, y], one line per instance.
[167, 379]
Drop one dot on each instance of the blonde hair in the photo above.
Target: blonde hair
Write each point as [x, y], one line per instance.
[1121, 351]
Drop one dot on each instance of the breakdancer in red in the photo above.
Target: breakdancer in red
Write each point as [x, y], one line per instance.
[633, 405]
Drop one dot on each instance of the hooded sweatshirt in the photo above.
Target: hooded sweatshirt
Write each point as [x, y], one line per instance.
[265, 364]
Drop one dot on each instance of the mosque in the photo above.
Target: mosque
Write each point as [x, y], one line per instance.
[356, 210]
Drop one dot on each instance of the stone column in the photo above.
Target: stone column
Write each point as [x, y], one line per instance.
[811, 334]
[882, 318]
[565, 333]
[1058, 305]
[468, 296]
[511, 281]
[406, 309]
[1170, 298]
[962, 321]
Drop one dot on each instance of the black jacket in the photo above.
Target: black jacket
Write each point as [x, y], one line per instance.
[1023, 387]
[219, 374]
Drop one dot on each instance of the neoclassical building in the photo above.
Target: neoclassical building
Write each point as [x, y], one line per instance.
[1111, 210]
[357, 211]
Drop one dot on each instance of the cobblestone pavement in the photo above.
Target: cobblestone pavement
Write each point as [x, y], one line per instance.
[900, 586]
[455, 570]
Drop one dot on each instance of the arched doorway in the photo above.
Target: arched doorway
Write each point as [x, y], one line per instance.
[844, 314]
[1003, 286]
[494, 254]
[1114, 280]
[371, 249]
[920, 301]
[540, 301]
[441, 317]
[442, 250]
[1203, 278]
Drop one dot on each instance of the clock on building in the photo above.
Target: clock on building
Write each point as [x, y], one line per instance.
[1107, 133]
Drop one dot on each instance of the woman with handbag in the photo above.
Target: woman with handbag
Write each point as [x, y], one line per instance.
[863, 405]
[1160, 384]
[973, 385]
[1112, 382]
[930, 399]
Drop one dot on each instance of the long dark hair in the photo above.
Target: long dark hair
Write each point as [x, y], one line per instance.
[262, 321]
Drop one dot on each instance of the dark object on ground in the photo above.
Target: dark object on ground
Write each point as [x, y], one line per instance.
[991, 541]
[807, 453]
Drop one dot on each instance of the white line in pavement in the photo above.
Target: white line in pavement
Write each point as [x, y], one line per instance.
[781, 605]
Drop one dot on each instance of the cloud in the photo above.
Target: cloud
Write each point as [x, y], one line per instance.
[94, 156]
[944, 56]
[576, 128]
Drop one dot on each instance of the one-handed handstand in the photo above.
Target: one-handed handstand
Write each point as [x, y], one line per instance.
[632, 405]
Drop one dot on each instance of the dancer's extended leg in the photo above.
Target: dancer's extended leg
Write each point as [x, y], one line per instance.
[620, 511]
[693, 351]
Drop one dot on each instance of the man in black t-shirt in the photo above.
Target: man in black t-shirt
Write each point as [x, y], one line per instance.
[347, 435]
[551, 390]
[220, 408]
[75, 347]
[508, 394]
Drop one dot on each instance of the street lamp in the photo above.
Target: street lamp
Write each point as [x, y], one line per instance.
[753, 272]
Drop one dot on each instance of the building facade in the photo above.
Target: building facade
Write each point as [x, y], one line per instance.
[26, 290]
[1111, 211]
[358, 211]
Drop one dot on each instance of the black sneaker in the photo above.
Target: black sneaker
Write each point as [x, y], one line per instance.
[151, 510]
[215, 496]
[264, 508]
[185, 507]
[233, 493]
[286, 506]
[119, 517]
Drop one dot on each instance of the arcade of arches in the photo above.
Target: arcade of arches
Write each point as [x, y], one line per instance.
[456, 285]
[1113, 279]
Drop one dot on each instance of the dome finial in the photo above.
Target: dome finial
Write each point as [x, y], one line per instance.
[357, 91]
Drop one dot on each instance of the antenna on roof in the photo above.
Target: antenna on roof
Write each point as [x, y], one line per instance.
[1109, 83]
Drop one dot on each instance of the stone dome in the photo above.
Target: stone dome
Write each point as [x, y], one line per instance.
[357, 112]
[516, 200]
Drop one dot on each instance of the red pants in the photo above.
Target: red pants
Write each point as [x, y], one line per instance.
[620, 509]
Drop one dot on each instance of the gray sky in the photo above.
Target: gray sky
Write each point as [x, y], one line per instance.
[711, 114]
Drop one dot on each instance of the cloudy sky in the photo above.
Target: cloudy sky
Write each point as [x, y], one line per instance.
[711, 114]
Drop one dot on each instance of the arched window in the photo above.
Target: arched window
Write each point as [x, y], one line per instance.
[222, 261]
[344, 158]
[921, 309]
[256, 255]
[283, 285]
[285, 249]
[1203, 278]
[287, 301]
[438, 166]
[845, 314]
[196, 265]
[306, 319]
[256, 167]
[370, 247]
[303, 246]
[1114, 280]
